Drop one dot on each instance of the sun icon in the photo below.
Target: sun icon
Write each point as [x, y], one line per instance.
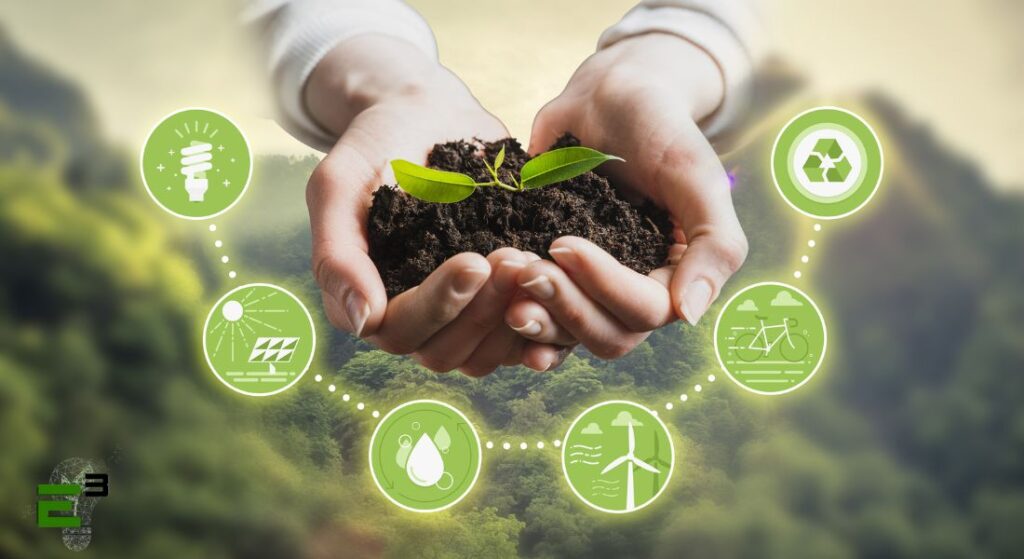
[236, 324]
[259, 339]
[232, 311]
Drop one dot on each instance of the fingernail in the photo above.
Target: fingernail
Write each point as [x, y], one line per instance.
[565, 255]
[696, 300]
[674, 259]
[505, 282]
[531, 328]
[358, 311]
[469, 280]
[540, 287]
[562, 354]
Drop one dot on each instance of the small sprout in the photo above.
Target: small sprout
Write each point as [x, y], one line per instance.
[548, 168]
[497, 165]
[499, 159]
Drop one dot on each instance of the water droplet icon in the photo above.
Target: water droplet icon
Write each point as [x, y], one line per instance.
[425, 466]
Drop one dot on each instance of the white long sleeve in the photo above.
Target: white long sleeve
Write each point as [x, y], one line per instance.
[297, 34]
[728, 30]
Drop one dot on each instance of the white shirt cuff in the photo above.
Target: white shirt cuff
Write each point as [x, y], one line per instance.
[299, 33]
[731, 46]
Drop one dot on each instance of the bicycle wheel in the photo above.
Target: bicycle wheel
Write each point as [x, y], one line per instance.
[743, 350]
[795, 352]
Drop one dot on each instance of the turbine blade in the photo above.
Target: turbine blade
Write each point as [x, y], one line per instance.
[641, 464]
[614, 464]
[632, 438]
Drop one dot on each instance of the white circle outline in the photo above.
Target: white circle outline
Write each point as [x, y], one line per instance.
[142, 171]
[671, 447]
[881, 162]
[312, 328]
[824, 342]
[479, 455]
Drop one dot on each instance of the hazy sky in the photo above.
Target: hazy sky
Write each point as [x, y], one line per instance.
[956, 66]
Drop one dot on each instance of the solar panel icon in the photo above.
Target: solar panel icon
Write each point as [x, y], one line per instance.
[259, 339]
[272, 349]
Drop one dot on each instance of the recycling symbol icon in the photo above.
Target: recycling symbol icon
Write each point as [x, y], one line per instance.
[827, 162]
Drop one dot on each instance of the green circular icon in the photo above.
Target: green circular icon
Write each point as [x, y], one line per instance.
[196, 163]
[770, 338]
[425, 456]
[259, 339]
[617, 456]
[827, 162]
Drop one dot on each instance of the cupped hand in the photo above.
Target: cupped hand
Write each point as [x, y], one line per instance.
[641, 99]
[389, 101]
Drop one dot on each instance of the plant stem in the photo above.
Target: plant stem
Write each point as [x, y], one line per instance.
[505, 186]
[499, 184]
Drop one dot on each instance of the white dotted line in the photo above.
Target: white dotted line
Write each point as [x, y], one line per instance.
[684, 397]
[804, 259]
[346, 396]
[220, 244]
[523, 445]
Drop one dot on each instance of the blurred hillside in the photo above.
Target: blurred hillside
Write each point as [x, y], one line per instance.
[55, 124]
[908, 443]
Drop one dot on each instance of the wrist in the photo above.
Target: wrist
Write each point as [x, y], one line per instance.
[367, 70]
[688, 71]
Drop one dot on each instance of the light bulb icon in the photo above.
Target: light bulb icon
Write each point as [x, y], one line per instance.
[195, 161]
[74, 470]
[186, 148]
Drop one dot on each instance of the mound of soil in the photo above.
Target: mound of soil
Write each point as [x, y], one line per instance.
[409, 238]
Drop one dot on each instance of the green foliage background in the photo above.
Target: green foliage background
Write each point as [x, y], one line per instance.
[909, 442]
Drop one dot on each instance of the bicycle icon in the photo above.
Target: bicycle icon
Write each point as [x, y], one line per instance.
[753, 347]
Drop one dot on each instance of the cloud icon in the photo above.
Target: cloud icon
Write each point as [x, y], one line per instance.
[785, 299]
[624, 419]
[592, 429]
[747, 305]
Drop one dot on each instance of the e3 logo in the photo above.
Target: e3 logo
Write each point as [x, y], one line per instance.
[64, 499]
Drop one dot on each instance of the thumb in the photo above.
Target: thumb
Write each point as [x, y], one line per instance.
[548, 126]
[338, 195]
[699, 199]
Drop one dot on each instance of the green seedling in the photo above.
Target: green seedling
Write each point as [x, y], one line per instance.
[548, 168]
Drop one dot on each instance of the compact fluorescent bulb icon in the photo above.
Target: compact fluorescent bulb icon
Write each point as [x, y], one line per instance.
[195, 161]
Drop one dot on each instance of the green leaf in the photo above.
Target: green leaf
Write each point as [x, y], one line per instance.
[431, 185]
[499, 159]
[561, 164]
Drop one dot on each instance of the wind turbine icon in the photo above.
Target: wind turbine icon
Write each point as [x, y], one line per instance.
[631, 461]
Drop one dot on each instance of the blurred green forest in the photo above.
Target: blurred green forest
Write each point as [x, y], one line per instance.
[908, 443]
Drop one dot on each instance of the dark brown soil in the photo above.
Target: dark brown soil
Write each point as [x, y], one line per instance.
[409, 238]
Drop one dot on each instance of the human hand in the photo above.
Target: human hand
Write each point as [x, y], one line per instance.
[390, 101]
[641, 99]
